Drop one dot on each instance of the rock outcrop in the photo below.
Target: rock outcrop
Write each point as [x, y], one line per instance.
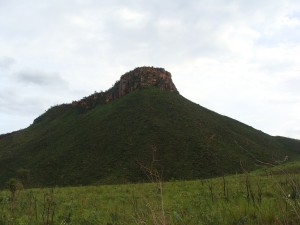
[141, 77]
[144, 77]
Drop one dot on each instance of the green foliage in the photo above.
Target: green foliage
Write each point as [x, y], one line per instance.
[105, 144]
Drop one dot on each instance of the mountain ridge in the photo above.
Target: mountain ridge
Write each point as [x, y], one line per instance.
[140, 77]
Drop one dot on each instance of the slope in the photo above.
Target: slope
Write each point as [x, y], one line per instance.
[107, 144]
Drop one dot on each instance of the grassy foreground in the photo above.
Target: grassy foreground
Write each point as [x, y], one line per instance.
[239, 199]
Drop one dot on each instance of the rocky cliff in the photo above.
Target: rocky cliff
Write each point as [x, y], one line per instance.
[144, 77]
[141, 77]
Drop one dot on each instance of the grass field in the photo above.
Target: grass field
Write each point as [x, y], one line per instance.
[256, 198]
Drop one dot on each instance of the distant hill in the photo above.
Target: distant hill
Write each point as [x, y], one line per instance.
[103, 138]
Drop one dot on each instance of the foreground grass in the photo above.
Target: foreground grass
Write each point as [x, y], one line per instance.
[239, 199]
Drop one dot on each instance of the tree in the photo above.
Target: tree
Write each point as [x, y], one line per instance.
[14, 187]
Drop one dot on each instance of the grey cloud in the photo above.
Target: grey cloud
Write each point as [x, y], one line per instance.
[6, 62]
[40, 78]
[13, 103]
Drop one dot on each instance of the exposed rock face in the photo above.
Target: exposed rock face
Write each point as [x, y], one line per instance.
[144, 77]
[140, 77]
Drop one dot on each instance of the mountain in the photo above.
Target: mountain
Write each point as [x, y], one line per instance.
[142, 120]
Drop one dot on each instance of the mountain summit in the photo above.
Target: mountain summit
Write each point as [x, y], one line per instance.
[144, 77]
[141, 77]
[142, 120]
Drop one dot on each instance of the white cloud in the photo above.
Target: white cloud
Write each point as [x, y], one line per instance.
[130, 18]
[239, 58]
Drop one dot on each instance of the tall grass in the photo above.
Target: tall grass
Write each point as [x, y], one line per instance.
[252, 199]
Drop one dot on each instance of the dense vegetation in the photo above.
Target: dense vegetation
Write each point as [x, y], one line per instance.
[109, 143]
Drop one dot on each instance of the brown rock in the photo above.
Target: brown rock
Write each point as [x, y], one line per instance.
[140, 77]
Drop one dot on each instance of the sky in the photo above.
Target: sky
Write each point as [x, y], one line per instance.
[239, 58]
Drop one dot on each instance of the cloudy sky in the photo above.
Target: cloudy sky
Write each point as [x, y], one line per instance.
[238, 58]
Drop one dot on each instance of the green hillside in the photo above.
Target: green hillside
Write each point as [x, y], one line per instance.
[106, 144]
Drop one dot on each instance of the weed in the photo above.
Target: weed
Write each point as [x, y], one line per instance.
[49, 207]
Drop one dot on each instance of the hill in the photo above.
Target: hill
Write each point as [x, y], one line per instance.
[102, 139]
